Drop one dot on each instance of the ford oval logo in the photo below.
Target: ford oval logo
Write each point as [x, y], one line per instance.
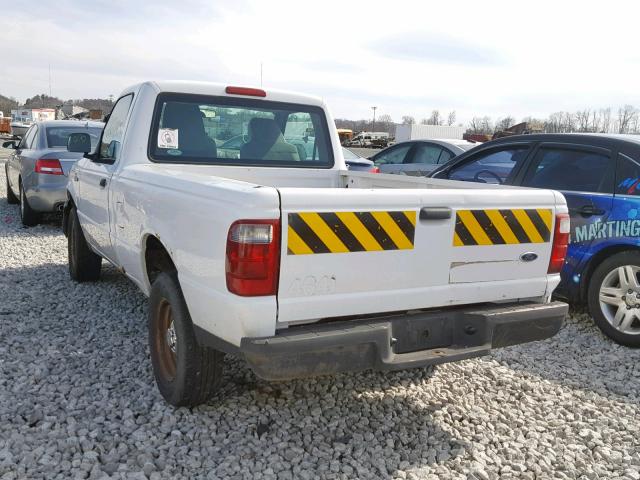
[528, 257]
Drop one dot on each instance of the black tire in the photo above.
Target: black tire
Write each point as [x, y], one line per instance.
[188, 374]
[84, 264]
[603, 276]
[28, 216]
[11, 197]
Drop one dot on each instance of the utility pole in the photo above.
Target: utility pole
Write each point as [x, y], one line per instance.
[49, 79]
[373, 129]
[260, 74]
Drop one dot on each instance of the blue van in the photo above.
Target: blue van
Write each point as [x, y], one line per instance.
[599, 175]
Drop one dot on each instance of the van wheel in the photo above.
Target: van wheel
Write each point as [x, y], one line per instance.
[614, 298]
[11, 197]
[84, 264]
[29, 217]
[187, 374]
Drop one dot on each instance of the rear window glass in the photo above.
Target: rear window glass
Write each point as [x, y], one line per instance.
[58, 136]
[238, 131]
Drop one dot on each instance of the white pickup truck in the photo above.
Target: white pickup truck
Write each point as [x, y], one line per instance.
[232, 209]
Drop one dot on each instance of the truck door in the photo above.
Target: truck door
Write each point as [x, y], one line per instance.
[95, 177]
[585, 176]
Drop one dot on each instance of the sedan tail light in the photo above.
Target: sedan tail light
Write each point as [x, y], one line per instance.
[253, 257]
[49, 166]
[560, 242]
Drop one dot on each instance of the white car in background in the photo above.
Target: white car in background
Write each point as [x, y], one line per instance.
[419, 157]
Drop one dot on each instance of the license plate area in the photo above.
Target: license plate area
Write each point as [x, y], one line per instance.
[437, 331]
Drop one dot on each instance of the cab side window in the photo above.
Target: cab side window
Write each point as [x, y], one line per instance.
[114, 129]
[393, 156]
[494, 166]
[570, 169]
[627, 176]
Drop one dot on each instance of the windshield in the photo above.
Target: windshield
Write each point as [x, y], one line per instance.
[239, 131]
[58, 136]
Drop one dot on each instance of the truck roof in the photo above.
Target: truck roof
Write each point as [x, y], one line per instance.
[218, 89]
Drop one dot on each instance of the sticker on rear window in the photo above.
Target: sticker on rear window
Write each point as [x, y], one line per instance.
[168, 138]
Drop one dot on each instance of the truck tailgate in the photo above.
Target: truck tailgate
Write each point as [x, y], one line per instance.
[362, 251]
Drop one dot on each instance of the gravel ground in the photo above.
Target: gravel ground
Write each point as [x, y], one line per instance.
[77, 398]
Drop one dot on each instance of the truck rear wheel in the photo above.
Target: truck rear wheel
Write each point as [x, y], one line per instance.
[614, 298]
[187, 374]
[84, 264]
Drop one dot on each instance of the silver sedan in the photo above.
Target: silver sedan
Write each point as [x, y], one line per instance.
[38, 168]
[419, 157]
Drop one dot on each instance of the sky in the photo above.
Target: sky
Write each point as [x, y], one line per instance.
[406, 58]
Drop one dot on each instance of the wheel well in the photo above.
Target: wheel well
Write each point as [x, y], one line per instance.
[156, 258]
[596, 260]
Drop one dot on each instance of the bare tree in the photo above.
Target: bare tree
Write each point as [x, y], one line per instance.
[435, 118]
[408, 120]
[451, 118]
[605, 115]
[626, 116]
[582, 120]
[480, 125]
[385, 124]
[504, 123]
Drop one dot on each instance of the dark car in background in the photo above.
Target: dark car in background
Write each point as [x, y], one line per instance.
[37, 170]
[599, 175]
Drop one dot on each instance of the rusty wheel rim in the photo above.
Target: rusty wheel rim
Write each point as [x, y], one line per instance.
[166, 341]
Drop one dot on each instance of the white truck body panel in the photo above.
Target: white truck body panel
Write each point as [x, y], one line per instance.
[433, 273]
[190, 209]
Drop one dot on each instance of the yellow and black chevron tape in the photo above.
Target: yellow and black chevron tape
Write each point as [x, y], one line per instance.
[341, 232]
[501, 227]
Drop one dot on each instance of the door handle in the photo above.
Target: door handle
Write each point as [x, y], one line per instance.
[589, 210]
[435, 213]
[103, 182]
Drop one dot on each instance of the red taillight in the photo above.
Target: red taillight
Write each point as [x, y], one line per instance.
[251, 92]
[49, 166]
[253, 257]
[374, 170]
[560, 243]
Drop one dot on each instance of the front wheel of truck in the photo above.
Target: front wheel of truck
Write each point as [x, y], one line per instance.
[187, 374]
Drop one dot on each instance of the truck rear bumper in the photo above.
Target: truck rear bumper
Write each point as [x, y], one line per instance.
[397, 342]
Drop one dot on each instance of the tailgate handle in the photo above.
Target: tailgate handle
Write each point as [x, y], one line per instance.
[435, 213]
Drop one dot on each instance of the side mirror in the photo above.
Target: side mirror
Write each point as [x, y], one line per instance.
[10, 144]
[79, 143]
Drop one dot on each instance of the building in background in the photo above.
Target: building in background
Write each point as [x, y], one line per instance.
[22, 118]
[419, 132]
